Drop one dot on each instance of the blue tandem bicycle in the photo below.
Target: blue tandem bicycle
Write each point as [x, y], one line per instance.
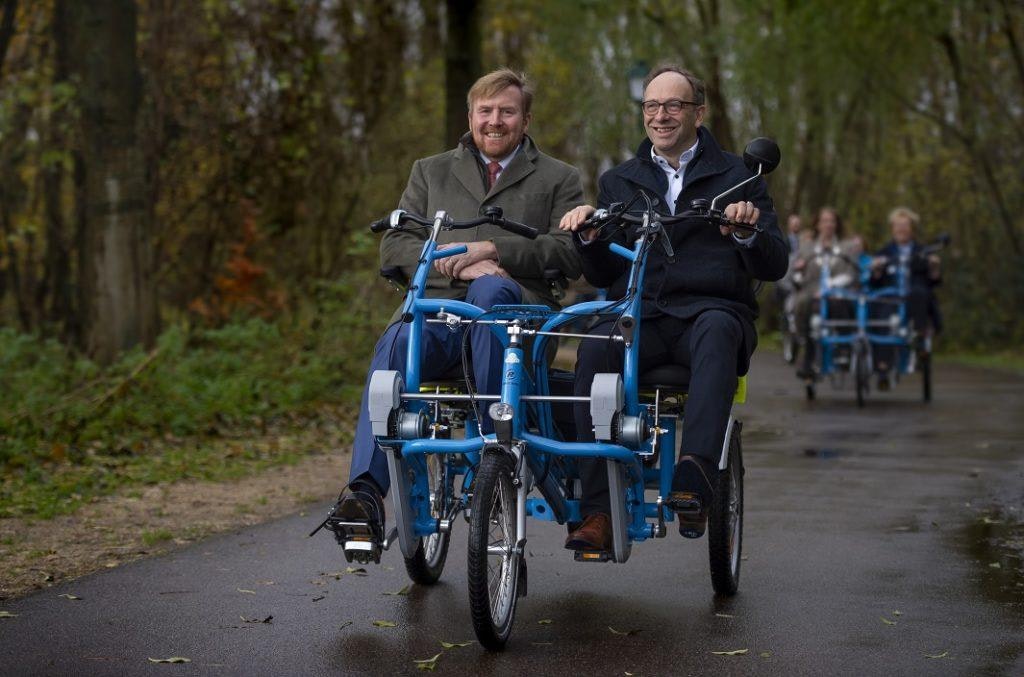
[440, 465]
[850, 342]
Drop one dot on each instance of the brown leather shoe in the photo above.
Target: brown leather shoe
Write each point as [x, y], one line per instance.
[594, 534]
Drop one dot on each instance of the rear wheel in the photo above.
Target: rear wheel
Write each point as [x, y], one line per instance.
[493, 563]
[924, 361]
[862, 371]
[426, 565]
[790, 347]
[725, 522]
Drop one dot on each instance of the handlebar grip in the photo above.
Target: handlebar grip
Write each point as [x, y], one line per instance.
[380, 225]
[521, 229]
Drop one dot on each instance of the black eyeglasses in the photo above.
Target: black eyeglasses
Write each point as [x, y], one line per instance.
[672, 106]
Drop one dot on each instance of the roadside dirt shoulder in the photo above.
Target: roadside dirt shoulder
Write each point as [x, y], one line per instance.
[37, 554]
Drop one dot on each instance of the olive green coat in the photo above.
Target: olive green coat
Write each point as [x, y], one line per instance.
[534, 189]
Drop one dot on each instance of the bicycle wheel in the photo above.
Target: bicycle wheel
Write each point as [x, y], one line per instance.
[925, 364]
[426, 565]
[862, 372]
[790, 348]
[725, 522]
[492, 563]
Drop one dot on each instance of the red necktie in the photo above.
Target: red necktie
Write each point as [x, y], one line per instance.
[492, 173]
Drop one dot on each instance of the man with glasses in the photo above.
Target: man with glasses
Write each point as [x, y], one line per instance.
[496, 163]
[698, 305]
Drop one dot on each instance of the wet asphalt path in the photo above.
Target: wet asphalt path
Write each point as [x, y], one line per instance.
[852, 516]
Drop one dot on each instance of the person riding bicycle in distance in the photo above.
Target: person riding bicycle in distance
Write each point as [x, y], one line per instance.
[495, 163]
[698, 305]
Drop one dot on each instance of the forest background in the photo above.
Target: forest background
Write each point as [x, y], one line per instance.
[185, 187]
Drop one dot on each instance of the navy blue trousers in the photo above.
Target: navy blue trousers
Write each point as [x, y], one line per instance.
[709, 345]
[441, 354]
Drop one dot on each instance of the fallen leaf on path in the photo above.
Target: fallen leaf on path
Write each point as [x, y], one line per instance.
[345, 625]
[172, 659]
[887, 621]
[766, 654]
[454, 645]
[737, 652]
[897, 612]
[358, 571]
[385, 624]
[403, 591]
[545, 621]
[67, 595]
[937, 655]
[7, 614]
[620, 632]
[427, 663]
[319, 597]
[995, 565]
[725, 616]
[256, 620]
[248, 592]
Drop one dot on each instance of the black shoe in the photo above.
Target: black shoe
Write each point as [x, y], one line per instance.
[357, 521]
[693, 489]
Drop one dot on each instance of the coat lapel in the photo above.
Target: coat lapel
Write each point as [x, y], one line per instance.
[466, 171]
[522, 165]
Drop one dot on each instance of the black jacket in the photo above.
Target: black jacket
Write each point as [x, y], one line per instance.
[918, 266]
[708, 271]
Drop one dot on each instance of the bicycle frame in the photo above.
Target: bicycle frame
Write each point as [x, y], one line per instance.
[627, 475]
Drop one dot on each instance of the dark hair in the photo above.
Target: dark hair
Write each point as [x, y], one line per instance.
[696, 84]
[839, 220]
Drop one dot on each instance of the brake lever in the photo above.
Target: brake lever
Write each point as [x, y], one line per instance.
[665, 243]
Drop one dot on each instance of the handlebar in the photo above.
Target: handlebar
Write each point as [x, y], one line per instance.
[699, 211]
[492, 216]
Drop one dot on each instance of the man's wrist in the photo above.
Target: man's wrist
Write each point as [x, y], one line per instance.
[744, 241]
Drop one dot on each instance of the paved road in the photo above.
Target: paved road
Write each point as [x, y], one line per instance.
[897, 511]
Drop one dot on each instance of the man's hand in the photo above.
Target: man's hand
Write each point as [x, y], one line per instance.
[476, 252]
[742, 212]
[481, 268]
[574, 218]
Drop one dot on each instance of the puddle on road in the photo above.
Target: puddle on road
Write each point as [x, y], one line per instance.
[825, 452]
[995, 540]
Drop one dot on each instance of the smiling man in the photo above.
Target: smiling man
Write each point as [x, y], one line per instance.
[698, 304]
[496, 163]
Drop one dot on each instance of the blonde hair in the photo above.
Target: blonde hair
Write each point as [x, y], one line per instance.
[907, 213]
[497, 81]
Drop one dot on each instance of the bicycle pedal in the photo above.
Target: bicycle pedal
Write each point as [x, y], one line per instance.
[686, 504]
[689, 510]
[591, 556]
[358, 540]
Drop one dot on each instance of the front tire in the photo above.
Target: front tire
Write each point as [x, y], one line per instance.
[862, 372]
[493, 563]
[427, 564]
[925, 362]
[725, 522]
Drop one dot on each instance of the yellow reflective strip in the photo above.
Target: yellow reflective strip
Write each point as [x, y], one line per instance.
[741, 391]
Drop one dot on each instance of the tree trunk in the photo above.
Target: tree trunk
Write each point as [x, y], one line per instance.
[461, 64]
[117, 294]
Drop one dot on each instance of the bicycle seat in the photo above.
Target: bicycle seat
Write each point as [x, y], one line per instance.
[666, 377]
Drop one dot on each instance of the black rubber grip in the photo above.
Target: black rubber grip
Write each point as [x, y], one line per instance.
[521, 229]
[380, 225]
